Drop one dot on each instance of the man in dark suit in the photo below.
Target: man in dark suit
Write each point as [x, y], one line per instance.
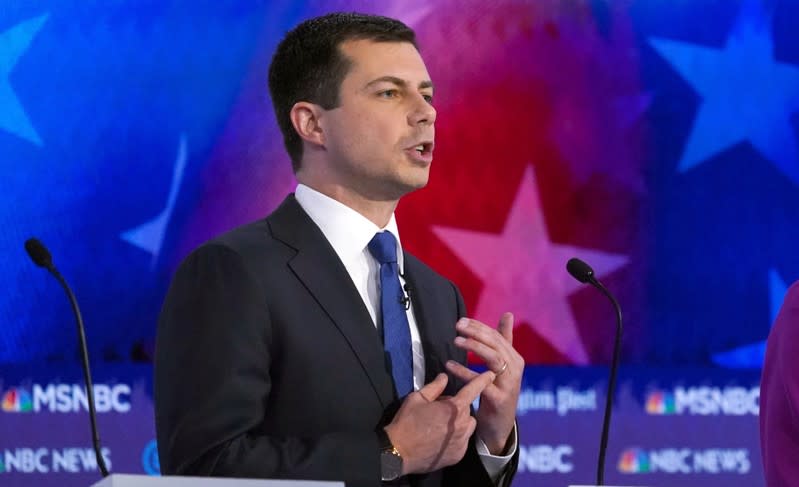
[308, 345]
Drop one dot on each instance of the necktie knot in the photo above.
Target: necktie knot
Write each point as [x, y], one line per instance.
[383, 247]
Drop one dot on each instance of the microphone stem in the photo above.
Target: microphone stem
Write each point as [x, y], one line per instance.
[603, 442]
[86, 373]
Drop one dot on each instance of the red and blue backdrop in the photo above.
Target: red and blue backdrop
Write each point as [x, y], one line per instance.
[659, 141]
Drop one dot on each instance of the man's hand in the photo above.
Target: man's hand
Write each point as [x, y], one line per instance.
[432, 431]
[497, 413]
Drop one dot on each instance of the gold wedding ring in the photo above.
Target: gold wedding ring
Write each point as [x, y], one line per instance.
[502, 370]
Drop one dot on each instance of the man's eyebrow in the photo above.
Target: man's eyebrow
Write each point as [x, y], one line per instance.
[398, 81]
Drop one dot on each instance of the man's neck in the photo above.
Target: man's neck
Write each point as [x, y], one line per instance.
[376, 211]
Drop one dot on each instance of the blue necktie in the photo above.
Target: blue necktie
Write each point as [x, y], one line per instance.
[396, 331]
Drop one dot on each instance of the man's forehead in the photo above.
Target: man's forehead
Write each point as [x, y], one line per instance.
[373, 60]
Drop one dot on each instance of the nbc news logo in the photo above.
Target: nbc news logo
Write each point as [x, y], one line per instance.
[715, 461]
[634, 460]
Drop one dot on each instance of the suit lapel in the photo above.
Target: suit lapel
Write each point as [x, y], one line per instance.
[322, 273]
[431, 321]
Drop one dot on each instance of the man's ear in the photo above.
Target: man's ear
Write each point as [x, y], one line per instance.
[305, 118]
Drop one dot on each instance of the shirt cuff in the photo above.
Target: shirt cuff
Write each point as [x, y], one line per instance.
[495, 464]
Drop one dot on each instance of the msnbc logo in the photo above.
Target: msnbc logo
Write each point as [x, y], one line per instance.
[659, 402]
[17, 401]
[634, 460]
[67, 398]
[705, 401]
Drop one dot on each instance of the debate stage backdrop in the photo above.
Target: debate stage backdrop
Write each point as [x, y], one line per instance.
[658, 141]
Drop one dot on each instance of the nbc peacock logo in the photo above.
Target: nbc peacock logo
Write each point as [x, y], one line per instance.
[634, 460]
[661, 403]
[17, 400]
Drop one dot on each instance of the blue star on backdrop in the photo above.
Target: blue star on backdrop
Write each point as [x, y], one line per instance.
[746, 94]
[13, 44]
[108, 112]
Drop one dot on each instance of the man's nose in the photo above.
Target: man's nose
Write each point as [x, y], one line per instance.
[423, 112]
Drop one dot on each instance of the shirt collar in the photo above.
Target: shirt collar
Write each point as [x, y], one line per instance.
[348, 232]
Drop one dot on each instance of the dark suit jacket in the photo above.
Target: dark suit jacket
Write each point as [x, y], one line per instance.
[268, 364]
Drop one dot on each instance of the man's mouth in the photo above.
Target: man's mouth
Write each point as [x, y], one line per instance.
[421, 154]
[424, 148]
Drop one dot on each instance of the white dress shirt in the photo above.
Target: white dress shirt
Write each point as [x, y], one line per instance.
[349, 233]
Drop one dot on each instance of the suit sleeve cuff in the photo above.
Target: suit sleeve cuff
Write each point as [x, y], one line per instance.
[495, 464]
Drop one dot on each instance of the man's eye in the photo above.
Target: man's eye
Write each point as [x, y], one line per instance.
[428, 98]
[388, 93]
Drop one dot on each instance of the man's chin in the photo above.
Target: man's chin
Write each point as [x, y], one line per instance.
[403, 187]
[416, 182]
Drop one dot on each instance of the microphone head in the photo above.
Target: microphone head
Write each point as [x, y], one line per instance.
[38, 253]
[580, 270]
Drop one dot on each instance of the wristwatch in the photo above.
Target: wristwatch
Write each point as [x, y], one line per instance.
[390, 458]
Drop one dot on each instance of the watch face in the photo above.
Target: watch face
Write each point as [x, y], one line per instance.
[391, 465]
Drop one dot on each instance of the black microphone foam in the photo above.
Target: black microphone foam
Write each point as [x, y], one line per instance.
[39, 253]
[579, 270]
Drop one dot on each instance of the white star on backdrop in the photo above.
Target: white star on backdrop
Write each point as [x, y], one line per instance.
[523, 272]
[149, 236]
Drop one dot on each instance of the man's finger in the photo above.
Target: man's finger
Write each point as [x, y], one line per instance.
[464, 373]
[470, 391]
[491, 356]
[434, 389]
[484, 334]
[505, 327]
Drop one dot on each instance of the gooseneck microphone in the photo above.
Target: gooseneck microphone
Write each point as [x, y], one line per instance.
[583, 273]
[41, 257]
